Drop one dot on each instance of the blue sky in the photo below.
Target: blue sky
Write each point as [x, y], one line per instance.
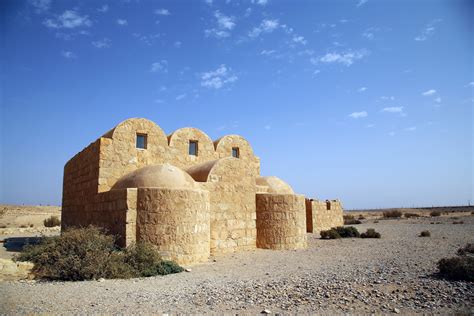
[367, 101]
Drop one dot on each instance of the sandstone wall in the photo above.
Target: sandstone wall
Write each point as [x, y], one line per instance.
[176, 221]
[323, 215]
[231, 184]
[281, 221]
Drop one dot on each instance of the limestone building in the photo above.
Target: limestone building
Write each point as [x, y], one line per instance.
[188, 195]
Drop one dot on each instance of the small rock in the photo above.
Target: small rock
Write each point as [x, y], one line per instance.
[187, 270]
[101, 280]
[396, 311]
[265, 311]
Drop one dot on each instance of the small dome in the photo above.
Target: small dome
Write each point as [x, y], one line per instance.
[275, 185]
[156, 176]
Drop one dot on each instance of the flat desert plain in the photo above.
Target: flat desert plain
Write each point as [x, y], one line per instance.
[394, 274]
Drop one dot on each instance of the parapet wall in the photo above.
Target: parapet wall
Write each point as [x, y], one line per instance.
[281, 221]
[323, 215]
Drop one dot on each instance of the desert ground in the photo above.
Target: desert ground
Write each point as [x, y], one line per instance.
[394, 274]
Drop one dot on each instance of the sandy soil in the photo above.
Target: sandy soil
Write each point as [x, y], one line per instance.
[394, 274]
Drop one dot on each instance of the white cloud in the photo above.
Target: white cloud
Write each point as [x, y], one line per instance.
[147, 39]
[316, 72]
[267, 127]
[370, 125]
[177, 44]
[122, 22]
[410, 129]
[224, 24]
[362, 89]
[69, 19]
[470, 84]
[103, 9]
[159, 66]
[218, 78]
[260, 2]
[180, 97]
[357, 115]
[393, 109]
[361, 3]
[387, 98]
[68, 54]
[346, 58]
[162, 12]
[103, 43]
[266, 26]
[427, 31]
[267, 52]
[209, 2]
[159, 101]
[41, 6]
[429, 92]
[299, 39]
[437, 100]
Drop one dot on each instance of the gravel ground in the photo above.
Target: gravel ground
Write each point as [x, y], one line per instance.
[394, 274]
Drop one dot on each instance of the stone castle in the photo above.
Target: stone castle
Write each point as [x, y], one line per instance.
[188, 195]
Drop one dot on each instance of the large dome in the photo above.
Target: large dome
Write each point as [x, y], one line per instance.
[275, 185]
[156, 176]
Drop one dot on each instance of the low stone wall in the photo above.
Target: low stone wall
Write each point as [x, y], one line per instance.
[323, 215]
[176, 221]
[281, 221]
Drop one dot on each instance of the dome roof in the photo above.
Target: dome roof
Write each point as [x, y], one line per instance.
[275, 185]
[156, 176]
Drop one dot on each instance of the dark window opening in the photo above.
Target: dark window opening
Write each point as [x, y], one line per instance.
[235, 152]
[141, 141]
[193, 147]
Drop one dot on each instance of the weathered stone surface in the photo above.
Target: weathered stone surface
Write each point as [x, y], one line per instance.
[323, 215]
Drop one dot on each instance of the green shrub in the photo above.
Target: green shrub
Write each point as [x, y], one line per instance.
[370, 233]
[457, 268]
[410, 215]
[435, 213]
[347, 232]
[88, 253]
[52, 221]
[329, 234]
[350, 220]
[392, 214]
[425, 233]
[468, 249]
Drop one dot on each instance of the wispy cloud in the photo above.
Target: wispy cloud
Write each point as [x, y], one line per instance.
[267, 52]
[163, 12]
[68, 54]
[437, 99]
[361, 3]
[40, 6]
[103, 43]
[122, 22]
[387, 98]
[391, 133]
[103, 9]
[362, 89]
[69, 19]
[266, 26]
[393, 109]
[370, 125]
[267, 127]
[427, 31]
[260, 2]
[345, 58]
[470, 84]
[357, 115]
[429, 92]
[299, 40]
[177, 44]
[224, 24]
[147, 39]
[180, 97]
[159, 66]
[216, 79]
[410, 129]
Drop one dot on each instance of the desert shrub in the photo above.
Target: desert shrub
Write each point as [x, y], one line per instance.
[32, 225]
[88, 253]
[23, 226]
[458, 222]
[350, 220]
[457, 268]
[329, 234]
[347, 232]
[410, 215]
[376, 221]
[472, 213]
[392, 214]
[425, 233]
[435, 213]
[3, 226]
[52, 221]
[370, 233]
[468, 249]
[361, 216]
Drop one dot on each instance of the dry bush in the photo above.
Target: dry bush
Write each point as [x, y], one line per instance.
[347, 232]
[361, 217]
[435, 213]
[350, 220]
[23, 226]
[458, 222]
[460, 267]
[330, 234]
[52, 221]
[425, 233]
[370, 233]
[3, 226]
[88, 253]
[392, 214]
[410, 215]
[468, 249]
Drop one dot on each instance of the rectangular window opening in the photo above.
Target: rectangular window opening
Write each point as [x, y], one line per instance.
[141, 141]
[235, 152]
[193, 147]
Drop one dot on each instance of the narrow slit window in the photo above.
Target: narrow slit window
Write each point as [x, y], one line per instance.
[141, 141]
[235, 152]
[193, 147]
